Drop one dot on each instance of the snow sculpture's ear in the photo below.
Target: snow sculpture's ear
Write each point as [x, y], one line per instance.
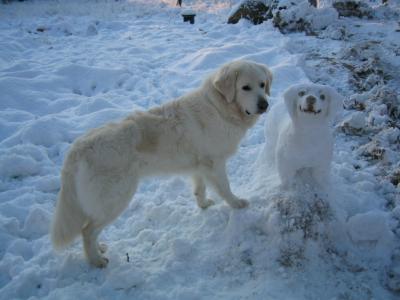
[225, 82]
[335, 102]
[291, 98]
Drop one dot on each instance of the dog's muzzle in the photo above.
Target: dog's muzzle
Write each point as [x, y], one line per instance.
[262, 106]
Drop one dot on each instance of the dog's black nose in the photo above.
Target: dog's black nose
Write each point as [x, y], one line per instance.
[311, 100]
[262, 105]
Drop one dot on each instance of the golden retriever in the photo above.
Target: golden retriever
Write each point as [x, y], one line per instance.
[195, 134]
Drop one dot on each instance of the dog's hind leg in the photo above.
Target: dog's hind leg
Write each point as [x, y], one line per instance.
[93, 250]
[199, 190]
[103, 203]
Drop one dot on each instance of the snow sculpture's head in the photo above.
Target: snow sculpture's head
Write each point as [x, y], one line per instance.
[312, 102]
[246, 84]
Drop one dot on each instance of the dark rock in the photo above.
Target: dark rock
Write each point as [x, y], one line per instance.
[287, 16]
[314, 3]
[372, 151]
[41, 29]
[395, 177]
[253, 10]
[295, 25]
[352, 8]
[391, 99]
[9, 1]
[296, 16]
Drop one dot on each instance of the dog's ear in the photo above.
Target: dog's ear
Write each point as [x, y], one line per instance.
[225, 82]
[290, 97]
[268, 81]
[335, 102]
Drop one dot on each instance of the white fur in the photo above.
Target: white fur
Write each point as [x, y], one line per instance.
[299, 136]
[194, 134]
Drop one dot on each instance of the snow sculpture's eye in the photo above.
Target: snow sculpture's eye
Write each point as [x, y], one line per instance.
[302, 93]
[262, 85]
[322, 97]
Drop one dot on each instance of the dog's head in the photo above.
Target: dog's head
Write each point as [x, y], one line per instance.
[312, 102]
[244, 84]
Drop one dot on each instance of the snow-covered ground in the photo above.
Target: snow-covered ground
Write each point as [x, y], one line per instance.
[67, 66]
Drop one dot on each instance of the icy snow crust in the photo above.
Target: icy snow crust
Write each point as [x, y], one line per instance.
[66, 68]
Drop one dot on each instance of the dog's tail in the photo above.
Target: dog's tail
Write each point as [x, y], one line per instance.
[68, 218]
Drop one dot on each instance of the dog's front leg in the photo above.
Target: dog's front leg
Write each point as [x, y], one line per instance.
[199, 190]
[216, 175]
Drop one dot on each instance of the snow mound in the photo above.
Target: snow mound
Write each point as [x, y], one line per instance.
[92, 80]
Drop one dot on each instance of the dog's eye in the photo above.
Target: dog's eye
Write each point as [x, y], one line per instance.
[322, 97]
[246, 88]
[302, 93]
[262, 85]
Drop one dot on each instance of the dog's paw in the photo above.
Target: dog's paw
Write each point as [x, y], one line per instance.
[100, 262]
[240, 203]
[206, 203]
[102, 248]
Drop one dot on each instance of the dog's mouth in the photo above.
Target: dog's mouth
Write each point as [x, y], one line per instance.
[310, 110]
[261, 111]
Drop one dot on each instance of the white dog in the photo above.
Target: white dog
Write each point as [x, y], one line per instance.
[298, 132]
[194, 134]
